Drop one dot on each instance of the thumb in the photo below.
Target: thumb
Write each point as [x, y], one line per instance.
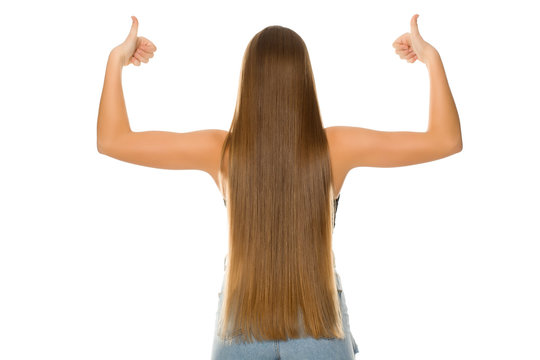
[134, 28]
[414, 25]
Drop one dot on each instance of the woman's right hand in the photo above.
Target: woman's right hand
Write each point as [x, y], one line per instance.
[411, 46]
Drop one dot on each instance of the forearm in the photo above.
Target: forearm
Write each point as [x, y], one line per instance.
[443, 114]
[112, 114]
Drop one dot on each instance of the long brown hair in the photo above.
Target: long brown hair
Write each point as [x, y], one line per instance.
[280, 280]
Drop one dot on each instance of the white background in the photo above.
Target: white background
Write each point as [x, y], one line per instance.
[101, 259]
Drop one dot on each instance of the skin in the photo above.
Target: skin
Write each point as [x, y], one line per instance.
[349, 146]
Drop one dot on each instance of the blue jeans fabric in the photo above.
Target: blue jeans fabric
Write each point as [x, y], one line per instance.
[293, 349]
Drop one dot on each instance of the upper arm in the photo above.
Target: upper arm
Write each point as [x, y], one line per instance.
[197, 150]
[356, 146]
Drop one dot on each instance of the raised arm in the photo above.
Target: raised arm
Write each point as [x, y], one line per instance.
[443, 114]
[195, 150]
[356, 146]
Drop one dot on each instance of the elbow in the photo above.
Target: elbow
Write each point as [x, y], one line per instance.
[459, 145]
[451, 147]
[456, 146]
[101, 147]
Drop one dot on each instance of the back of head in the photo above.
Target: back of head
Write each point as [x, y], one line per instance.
[280, 278]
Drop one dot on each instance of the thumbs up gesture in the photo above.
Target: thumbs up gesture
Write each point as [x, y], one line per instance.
[135, 49]
[411, 46]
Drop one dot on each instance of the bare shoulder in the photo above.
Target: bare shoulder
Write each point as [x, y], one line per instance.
[350, 147]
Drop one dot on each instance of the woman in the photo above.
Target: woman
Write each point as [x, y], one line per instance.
[280, 173]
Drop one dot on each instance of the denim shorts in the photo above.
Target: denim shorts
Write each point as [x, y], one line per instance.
[293, 349]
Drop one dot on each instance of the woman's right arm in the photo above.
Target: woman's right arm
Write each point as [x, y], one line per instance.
[443, 114]
[355, 146]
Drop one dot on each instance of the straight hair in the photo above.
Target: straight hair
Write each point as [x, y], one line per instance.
[280, 281]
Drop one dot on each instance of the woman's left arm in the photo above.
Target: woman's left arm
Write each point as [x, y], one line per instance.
[112, 115]
[197, 150]
[112, 120]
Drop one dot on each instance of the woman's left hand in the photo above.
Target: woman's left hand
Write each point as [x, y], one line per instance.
[135, 49]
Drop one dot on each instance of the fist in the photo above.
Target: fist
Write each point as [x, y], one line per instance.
[411, 46]
[135, 49]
